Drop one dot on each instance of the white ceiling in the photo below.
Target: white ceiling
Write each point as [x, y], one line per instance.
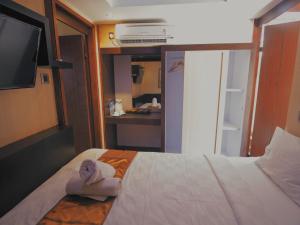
[101, 11]
[206, 22]
[124, 3]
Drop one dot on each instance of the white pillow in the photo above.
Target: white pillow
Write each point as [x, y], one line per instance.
[275, 138]
[282, 163]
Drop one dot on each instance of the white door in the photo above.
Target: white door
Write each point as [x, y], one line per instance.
[201, 102]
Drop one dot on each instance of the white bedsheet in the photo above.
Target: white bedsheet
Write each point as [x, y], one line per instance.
[169, 189]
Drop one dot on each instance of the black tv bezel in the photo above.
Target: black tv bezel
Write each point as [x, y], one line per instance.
[21, 13]
[32, 84]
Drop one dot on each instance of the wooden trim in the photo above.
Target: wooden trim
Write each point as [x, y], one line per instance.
[267, 8]
[273, 10]
[108, 93]
[95, 87]
[202, 47]
[59, 97]
[64, 17]
[253, 73]
[70, 11]
[163, 99]
[295, 9]
[17, 146]
[57, 10]
[100, 57]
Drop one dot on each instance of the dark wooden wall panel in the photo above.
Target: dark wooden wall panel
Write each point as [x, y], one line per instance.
[108, 88]
[276, 76]
[26, 164]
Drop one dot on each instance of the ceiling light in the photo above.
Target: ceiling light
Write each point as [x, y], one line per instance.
[125, 3]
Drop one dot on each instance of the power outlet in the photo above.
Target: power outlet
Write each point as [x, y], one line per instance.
[45, 78]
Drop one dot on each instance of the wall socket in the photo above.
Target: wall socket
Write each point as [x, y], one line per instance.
[45, 78]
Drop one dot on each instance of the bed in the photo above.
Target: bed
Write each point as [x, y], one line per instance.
[173, 189]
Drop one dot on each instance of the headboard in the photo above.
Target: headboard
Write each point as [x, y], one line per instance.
[26, 164]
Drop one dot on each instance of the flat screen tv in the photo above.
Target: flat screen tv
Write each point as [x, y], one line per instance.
[19, 44]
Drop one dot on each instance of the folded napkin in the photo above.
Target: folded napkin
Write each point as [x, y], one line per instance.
[98, 191]
[92, 171]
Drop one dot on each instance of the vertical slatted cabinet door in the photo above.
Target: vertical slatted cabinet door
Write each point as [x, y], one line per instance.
[276, 75]
[202, 81]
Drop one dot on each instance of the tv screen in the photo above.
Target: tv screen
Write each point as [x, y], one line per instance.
[19, 43]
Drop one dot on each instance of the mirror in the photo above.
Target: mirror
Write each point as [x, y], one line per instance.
[146, 81]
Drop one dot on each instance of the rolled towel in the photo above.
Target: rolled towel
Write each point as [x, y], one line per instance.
[98, 191]
[92, 171]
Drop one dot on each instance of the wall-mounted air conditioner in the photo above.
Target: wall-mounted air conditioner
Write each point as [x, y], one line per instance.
[142, 34]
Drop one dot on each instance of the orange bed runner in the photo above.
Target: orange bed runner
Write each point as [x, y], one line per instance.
[77, 210]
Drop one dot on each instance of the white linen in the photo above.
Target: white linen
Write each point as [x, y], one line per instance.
[274, 202]
[100, 190]
[166, 189]
[170, 189]
[282, 163]
[245, 205]
[92, 171]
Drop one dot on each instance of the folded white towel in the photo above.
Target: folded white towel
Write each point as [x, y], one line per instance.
[92, 171]
[98, 191]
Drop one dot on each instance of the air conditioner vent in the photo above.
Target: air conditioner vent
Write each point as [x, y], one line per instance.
[143, 34]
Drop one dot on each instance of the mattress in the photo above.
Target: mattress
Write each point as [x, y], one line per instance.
[170, 189]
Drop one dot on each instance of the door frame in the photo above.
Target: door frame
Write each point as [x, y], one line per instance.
[265, 15]
[56, 10]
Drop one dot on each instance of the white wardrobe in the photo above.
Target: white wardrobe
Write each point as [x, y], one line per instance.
[213, 89]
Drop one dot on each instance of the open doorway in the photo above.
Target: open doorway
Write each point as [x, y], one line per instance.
[76, 85]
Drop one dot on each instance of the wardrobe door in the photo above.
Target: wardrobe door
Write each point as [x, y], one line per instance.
[174, 84]
[202, 82]
[276, 76]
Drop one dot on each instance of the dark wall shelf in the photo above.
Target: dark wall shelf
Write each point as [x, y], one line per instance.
[62, 64]
[140, 119]
[155, 50]
[137, 148]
